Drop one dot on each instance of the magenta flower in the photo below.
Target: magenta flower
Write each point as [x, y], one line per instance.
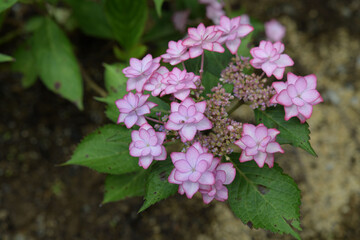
[188, 117]
[274, 30]
[132, 109]
[232, 30]
[258, 143]
[268, 57]
[298, 95]
[224, 174]
[179, 83]
[155, 84]
[147, 145]
[140, 71]
[201, 38]
[191, 169]
[176, 53]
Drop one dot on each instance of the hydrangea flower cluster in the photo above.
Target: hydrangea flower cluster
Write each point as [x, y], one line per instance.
[201, 124]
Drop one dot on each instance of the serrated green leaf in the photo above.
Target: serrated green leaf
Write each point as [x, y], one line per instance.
[26, 64]
[291, 132]
[106, 150]
[127, 19]
[158, 5]
[5, 4]
[56, 62]
[118, 187]
[265, 197]
[158, 187]
[5, 58]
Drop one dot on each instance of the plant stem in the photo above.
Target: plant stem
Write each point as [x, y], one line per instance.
[93, 85]
[183, 64]
[202, 65]
[155, 120]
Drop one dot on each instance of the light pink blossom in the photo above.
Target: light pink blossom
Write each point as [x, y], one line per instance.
[224, 175]
[269, 58]
[245, 19]
[215, 11]
[232, 30]
[191, 169]
[132, 109]
[140, 71]
[188, 117]
[180, 19]
[274, 30]
[155, 83]
[258, 143]
[201, 38]
[147, 145]
[179, 83]
[298, 95]
[176, 53]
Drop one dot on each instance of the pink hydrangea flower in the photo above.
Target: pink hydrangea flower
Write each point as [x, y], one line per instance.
[188, 117]
[132, 109]
[274, 30]
[191, 169]
[258, 143]
[155, 84]
[298, 95]
[147, 145]
[179, 83]
[176, 53]
[232, 30]
[140, 71]
[201, 38]
[224, 175]
[269, 58]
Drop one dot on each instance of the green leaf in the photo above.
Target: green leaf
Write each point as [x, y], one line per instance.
[106, 150]
[26, 64]
[158, 5]
[158, 187]
[244, 49]
[56, 62]
[127, 19]
[91, 18]
[291, 132]
[5, 58]
[136, 51]
[5, 4]
[118, 187]
[265, 197]
[115, 80]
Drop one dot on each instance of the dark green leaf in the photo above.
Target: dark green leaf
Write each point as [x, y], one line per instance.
[5, 4]
[265, 197]
[158, 187]
[56, 62]
[118, 187]
[106, 150]
[5, 58]
[291, 132]
[136, 51]
[115, 80]
[127, 19]
[158, 5]
[244, 49]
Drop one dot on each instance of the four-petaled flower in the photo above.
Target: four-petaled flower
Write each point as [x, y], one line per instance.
[233, 30]
[201, 38]
[176, 53]
[298, 95]
[140, 71]
[132, 109]
[268, 57]
[188, 117]
[147, 145]
[274, 30]
[191, 169]
[258, 143]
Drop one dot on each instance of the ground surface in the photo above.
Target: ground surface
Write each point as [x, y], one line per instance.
[40, 200]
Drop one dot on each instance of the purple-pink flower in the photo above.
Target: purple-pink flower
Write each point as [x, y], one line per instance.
[274, 30]
[155, 84]
[140, 71]
[188, 117]
[201, 38]
[147, 145]
[192, 169]
[233, 30]
[298, 95]
[224, 175]
[176, 53]
[132, 109]
[258, 143]
[179, 83]
[269, 58]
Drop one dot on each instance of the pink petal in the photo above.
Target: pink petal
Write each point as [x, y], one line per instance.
[279, 73]
[248, 141]
[251, 151]
[130, 120]
[195, 51]
[173, 126]
[182, 166]
[260, 132]
[207, 178]
[171, 178]
[145, 161]
[245, 158]
[163, 154]
[230, 171]
[207, 199]
[177, 156]
[279, 86]
[260, 159]
[194, 177]
[274, 147]
[201, 106]
[190, 188]
[310, 95]
[284, 61]
[269, 68]
[291, 78]
[306, 110]
[233, 45]
[204, 124]
[300, 85]
[311, 81]
[290, 112]
[270, 160]
[187, 133]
